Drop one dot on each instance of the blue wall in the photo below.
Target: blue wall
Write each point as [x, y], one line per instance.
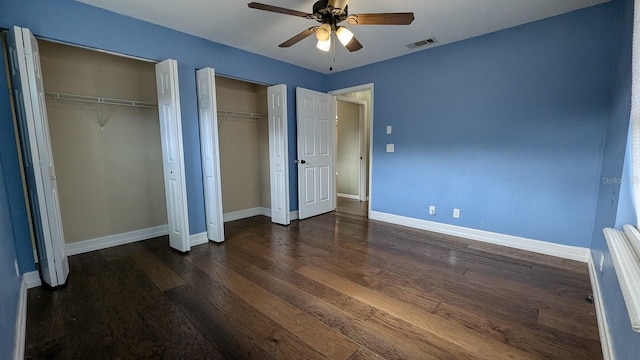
[615, 206]
[76, 23]
[507, 127]
[10, 289]
[12, 223]
[15, 243]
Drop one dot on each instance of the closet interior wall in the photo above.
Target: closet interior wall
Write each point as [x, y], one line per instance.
[366, 97]
[244, 146]
[348, 149]
[108, 157]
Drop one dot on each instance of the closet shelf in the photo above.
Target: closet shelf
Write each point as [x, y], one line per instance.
[100, 100]
[239, 114]
[136, 103]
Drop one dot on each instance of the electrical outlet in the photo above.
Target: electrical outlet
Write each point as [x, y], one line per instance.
[432, 210]
[601, 263]
[456, 213]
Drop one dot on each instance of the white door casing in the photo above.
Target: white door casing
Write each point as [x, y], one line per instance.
[316, 155]
[209, 145]
[369, 116]
[42, 189]
[362, 114]
[172, 154]
[278, 154]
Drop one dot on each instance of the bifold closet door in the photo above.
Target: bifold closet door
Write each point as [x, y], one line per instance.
[172, 154]
[37, 157]
[278, 154]
[210, 152]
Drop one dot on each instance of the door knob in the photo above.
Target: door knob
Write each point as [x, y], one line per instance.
[302, 162]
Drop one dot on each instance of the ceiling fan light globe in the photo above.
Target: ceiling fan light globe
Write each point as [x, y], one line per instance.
[324, 45]
[344, 35]
[323, 33]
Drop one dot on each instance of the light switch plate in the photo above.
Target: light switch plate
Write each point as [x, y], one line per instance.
[390, 148]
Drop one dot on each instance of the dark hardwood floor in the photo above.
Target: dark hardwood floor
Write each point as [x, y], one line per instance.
[336, 286]
[351, 206]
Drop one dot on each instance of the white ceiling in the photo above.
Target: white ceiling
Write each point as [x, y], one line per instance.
[232, 23]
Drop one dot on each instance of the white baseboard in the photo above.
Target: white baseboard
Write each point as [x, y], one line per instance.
[243, 214]
[542, 247]
[198, 239]
[115, 240]
[21, 322]
[246, 213]
[32, 279]
[349, 196]
[601, 315]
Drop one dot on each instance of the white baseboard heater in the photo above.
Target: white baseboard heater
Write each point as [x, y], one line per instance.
[625, 252]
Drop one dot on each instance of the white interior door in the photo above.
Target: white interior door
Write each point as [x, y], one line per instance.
[172, 154]
[31, 110]
[209, 144]
[316, 155]
[278, 154]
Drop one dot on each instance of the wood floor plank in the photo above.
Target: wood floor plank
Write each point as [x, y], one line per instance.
[540, 259]
[557, 345]
[83, 321]
[580, 322]
[266, 333]
[450, 332]
[161, 274]
[229, 336]
[378, 341]
[570, 300]
[151, 326]
[45, 305]
[468, 296]
[175, 260]
[322, 338]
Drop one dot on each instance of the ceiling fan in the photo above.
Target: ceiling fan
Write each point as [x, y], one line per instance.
[330, 13]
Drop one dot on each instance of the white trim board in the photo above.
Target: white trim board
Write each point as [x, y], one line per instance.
[601, 315]
[21, 322]
[247, 213]
[348, 196]
[115, 240]
[32, 279]
[537, 246]
[198, 239]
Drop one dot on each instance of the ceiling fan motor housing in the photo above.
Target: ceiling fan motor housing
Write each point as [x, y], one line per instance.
[330, 14]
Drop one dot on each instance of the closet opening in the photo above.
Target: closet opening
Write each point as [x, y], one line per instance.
[105, 137]
[243, 130]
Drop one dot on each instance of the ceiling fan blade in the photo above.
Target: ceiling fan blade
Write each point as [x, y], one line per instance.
[301, 36]
[279, 10]
[381, 19]
[353, 45]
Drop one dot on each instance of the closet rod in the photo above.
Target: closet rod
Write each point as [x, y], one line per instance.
[100, 100]
[240, 114]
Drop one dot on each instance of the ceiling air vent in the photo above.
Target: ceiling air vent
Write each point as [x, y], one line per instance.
[421, 43]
